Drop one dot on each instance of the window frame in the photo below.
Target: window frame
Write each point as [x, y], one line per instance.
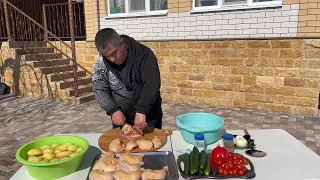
[249, 5]
[127, 13]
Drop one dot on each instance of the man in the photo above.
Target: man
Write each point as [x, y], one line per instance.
[126, 80]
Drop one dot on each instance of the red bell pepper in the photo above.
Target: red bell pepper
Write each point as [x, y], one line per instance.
[219, 155]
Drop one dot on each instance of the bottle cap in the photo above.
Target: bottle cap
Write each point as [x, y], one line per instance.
[199, 137]
[228, 137]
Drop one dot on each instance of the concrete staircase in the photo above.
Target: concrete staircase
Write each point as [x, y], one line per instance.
[45, 63]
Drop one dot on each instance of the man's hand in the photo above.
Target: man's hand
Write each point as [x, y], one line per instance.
[118, 118]
[140, 121]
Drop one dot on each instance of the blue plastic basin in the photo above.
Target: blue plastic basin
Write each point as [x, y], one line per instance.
[198, 122]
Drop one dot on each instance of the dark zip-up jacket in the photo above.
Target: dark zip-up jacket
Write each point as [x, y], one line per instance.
[142, 93]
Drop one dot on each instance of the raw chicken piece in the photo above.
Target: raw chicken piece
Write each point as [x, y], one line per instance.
[100, 175]
[144, 144]
[116, 146]
[102, 166]
[130, 132]
[131, 145]
[131, 159]
[108, 158]
[122, 175]
[149, 174]
[124, 166]
[156, 142]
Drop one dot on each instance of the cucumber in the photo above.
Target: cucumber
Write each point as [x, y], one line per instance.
[200, 171]
[203, 158]
[186, 163]
[196, 159]
[207, 170]
[215, 171]
[191, 163]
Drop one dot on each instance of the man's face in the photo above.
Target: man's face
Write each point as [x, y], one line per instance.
[116, 53]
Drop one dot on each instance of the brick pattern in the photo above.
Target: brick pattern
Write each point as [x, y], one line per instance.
[50, 118]
[91, 14]
[309, 18]
[260, 23]
[274, 75]
[177, 6]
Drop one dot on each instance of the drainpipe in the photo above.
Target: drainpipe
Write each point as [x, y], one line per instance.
[98, 17]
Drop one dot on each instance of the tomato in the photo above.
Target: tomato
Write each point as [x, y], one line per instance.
[223, 165]
[225, 172]
[227, 167]
[230, 173]
[220, 171]
[234, 162]
[230, 154]
[230, 165]
[235, 171]
[218, 162]
[240, 167]
[234, 157]
[241, 173]
[245, 162]
[241, 161]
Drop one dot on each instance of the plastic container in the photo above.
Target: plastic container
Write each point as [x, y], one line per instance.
[52, 170]
[209, 125]
[228, 142]
[199, 141]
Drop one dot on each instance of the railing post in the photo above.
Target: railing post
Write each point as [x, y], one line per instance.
[5, 6]
[45, 22]
[73, 47]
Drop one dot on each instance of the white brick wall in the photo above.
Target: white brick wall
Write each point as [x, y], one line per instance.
[278, 22]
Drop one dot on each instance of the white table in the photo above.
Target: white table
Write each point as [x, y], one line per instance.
[287, 158]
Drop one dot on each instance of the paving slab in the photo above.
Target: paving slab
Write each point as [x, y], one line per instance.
[24, 119]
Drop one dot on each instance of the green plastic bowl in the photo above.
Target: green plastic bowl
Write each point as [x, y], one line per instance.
[52, 170]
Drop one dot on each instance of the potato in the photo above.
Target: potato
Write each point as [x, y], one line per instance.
[62, 148]
[72, 148]
[34, 159]
[53, 146]
[55, 159]
[64, 158]
[67, 144]
[57, 151]
[47, 151]
[45, 160]
[48, 156]
[64, 154]
[44, 147]
[73, 154]
[79, 150]
[34, 152]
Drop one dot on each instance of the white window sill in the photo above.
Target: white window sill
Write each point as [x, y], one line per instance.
[144, 14]
[237, 7]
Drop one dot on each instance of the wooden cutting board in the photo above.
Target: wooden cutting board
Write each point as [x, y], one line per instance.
[149, 133]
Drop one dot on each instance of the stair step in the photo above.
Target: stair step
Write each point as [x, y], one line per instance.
[46, 56]
[62, 68]
[65, 75]
[34, 50]
[81, 81]
[18, 44]
[81, 90]
[84, 98]
[50, 63]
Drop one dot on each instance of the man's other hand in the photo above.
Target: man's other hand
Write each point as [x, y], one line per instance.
[118, 118]
[140, 120]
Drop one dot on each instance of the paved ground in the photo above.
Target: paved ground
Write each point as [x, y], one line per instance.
[24, 119]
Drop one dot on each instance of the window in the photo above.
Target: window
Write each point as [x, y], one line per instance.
[207, 5]
[135, 7]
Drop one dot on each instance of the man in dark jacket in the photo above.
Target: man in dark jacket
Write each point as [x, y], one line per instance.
[126, 80]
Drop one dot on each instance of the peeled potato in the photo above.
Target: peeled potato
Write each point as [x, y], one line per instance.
[34, 152]
[53, 146]
[47, 151]
[48, 156]
[64, 154]
[62, 148]
[79, 150]
[44, 147]
[73, 154]
[45, 160]
[72, 148]
[34, 159]
[55, 159]
[57, 151]
[67, 144]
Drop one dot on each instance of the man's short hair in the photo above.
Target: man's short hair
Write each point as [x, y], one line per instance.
[106, 36]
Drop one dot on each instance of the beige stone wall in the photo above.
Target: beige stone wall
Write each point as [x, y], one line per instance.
[309, 18]
[92, 16]
[176, 6]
